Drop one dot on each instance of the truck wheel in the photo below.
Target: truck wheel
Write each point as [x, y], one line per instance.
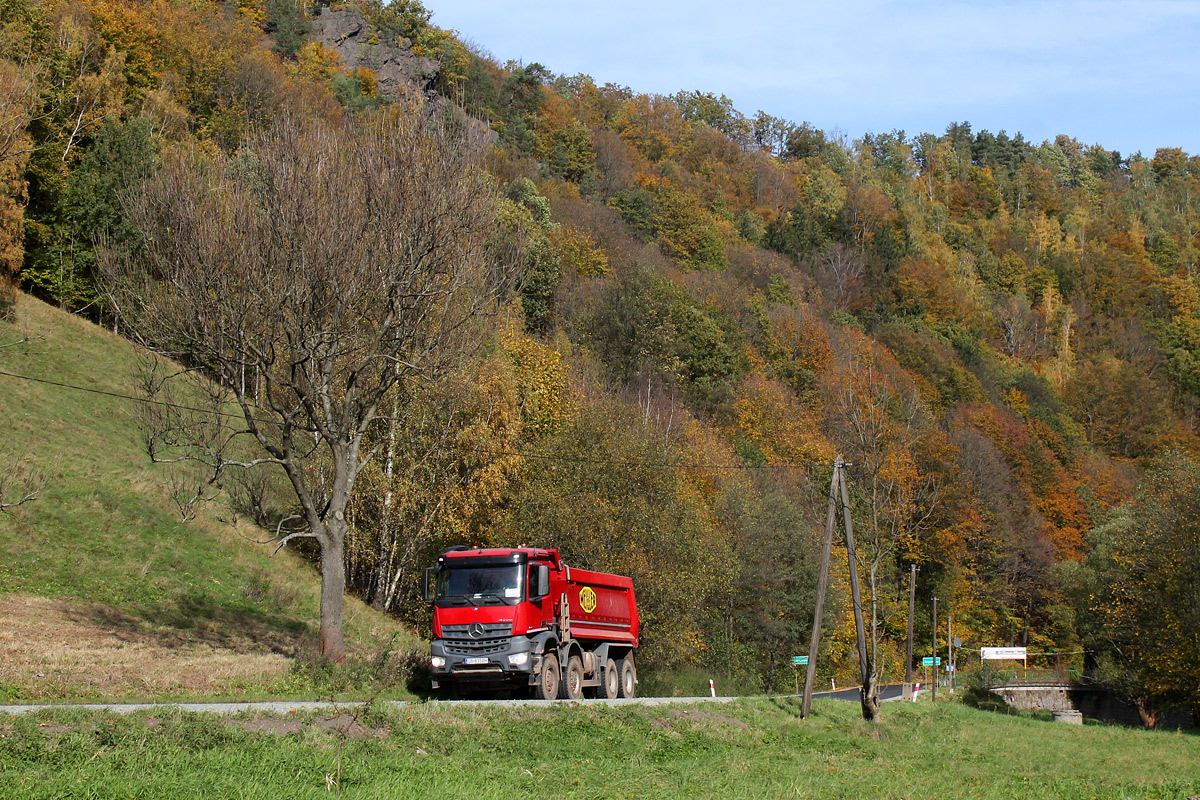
[612, 680]
[547, 685]
[572, 687]
[628, 677]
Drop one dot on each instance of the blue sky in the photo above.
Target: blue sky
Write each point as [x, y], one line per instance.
[1122, 74]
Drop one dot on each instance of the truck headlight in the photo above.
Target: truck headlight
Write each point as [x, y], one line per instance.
[437, 662]
[518, 659]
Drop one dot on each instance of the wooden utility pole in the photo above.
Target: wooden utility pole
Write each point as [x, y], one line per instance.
[822, 585]
[950, 649]
[933, 684]
[838, 486]
[870, 708]
[912, 606]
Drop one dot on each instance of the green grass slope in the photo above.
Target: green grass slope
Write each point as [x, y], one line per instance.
[746, 749]
[101, 558]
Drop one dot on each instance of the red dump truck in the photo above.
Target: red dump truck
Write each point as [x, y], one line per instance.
[520, 618]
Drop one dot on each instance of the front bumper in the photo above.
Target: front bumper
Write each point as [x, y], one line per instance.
[516, 659]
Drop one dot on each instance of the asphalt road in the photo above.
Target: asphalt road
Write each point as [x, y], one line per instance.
[304, 706]
[886, 693]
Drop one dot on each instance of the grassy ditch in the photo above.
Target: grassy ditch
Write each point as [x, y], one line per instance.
[746, 749]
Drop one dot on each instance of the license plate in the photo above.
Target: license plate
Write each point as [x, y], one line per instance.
[475, 660]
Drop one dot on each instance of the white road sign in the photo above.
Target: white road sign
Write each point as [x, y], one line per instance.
[1003, 653]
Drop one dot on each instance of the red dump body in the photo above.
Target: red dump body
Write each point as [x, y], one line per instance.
[602, 607]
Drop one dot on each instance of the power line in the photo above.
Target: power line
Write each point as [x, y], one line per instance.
[123, 396]
[492, 452]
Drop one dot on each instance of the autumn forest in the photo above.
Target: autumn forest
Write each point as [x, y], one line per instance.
[705, 308]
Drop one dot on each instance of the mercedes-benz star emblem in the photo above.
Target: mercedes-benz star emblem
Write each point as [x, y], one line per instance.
[476, 630]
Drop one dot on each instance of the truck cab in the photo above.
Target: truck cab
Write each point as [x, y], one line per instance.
[521, 619]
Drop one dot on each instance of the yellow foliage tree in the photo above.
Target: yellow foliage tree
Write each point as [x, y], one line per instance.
[784, 430]
[579, 253]
[650, 123]
[448, 454]
[318, 62]
[540, 380]
[683, 228]
[936, 285]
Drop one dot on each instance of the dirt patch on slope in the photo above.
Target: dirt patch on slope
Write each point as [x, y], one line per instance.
[56, 649]
[702, 716]
[272, 725]
[338, 725]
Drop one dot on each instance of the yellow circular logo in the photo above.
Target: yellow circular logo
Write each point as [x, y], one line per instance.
[587, 599]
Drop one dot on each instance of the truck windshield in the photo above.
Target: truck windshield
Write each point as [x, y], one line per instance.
[476, 585]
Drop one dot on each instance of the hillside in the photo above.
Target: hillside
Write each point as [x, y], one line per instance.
[104, 591]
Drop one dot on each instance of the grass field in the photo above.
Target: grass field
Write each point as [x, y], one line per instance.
[746, 749]
[104, 590]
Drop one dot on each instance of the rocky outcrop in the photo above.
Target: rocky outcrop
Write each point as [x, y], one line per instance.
[398, 70]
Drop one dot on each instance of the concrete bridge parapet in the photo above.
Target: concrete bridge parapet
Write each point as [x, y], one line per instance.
[1092, 701]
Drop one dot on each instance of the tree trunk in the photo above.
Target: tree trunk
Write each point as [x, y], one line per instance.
[869, 697]
[1147, 713]
[333, 587]
[912, 603]
[387, 540]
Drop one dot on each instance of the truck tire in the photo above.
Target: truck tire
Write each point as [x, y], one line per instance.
[572, 685]
[548, 682]
[628, 677]
[612, 680]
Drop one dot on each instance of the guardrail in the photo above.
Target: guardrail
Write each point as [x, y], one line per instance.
[1018, 676]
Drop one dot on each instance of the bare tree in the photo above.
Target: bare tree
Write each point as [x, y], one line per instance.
[18, 94]
[879, 421]
[308, 275]
[1023, 331]
[840, 274]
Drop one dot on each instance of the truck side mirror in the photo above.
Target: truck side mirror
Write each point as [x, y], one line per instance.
[427, 585]
[540, 586]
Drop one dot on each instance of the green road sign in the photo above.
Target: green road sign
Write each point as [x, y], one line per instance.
[799, 661]
[927, 661]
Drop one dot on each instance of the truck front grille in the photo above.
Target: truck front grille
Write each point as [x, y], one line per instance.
[493, 637]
